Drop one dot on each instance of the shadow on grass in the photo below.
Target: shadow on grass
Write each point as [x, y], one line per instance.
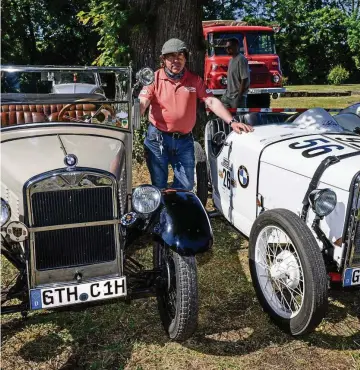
[234, 323]
[231, 322]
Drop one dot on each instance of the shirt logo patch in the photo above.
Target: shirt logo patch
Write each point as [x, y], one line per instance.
[208, 91]
[190, 88]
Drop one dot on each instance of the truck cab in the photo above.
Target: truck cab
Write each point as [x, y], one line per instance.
[257, 45]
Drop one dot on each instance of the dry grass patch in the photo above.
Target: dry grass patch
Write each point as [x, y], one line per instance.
[233, 332]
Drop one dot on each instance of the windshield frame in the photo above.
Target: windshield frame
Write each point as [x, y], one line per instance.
[120, 97]
[211, 46]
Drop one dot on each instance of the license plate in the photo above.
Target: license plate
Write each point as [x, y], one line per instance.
[352, 277]
[77, 293]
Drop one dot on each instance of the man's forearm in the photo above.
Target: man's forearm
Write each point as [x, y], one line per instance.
[243, 86]
[144, 103]
[216, 106]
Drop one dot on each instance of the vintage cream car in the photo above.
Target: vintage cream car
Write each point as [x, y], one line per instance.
[69, 213]
[293, 188]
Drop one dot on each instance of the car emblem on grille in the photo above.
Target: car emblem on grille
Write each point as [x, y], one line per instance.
[70, 160]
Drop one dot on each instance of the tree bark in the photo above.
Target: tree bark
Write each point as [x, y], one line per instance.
[167, 19]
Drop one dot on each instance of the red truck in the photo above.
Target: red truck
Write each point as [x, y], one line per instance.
[258, 46]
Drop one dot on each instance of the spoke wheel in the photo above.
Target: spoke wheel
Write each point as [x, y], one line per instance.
[288, 271]
[279, 271]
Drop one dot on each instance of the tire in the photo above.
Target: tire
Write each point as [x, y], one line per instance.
[299, 271]
[179, 315]
[201, 174]
[259, 101]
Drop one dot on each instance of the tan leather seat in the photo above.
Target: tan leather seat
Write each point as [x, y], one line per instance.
[20, 114]
[24, 114]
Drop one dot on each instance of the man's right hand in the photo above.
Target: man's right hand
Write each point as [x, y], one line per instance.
[238, 127]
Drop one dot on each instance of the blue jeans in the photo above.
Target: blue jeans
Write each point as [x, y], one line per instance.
[162, 150]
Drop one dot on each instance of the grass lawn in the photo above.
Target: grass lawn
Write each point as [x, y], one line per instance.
[311, 102]
[233, 331]
[345, 87]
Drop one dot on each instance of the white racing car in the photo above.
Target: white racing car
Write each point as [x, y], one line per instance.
[292, 187]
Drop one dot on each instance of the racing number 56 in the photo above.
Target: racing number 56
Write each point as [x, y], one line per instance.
[315, 148]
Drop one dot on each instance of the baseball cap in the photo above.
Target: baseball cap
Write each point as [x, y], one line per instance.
[173, 46]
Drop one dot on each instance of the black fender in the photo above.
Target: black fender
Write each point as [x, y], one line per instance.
[182, 223]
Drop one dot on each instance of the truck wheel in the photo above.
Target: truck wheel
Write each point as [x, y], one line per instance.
[288, 271]
[177, 292]
[201, 174]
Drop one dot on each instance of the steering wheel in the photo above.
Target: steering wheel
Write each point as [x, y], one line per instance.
[219, 138]
[68, 106]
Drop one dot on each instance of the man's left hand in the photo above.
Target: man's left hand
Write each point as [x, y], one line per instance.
[238, 127]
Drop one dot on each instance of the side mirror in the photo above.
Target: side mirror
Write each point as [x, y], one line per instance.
[145, 76]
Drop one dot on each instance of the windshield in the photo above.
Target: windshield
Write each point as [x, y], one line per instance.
[29, 91]
[217, 42]
[260, 43]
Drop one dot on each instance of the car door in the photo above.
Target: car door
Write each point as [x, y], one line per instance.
[241, 197]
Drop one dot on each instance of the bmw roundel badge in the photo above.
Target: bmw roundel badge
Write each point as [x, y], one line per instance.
[70, 160]
[243, 176]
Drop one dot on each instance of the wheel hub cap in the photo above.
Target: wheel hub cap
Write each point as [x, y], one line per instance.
[286, 268]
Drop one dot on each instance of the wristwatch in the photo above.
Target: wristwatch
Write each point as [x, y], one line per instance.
[233, 120]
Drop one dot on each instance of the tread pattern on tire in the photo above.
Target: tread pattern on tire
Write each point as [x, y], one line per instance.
[188, 317]
[187, 295]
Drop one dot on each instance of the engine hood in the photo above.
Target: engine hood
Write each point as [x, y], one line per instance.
[302, 153]
[73, 88]
[27, 152]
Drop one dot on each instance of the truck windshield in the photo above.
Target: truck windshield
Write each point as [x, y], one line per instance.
[260, 43]
[217, 42]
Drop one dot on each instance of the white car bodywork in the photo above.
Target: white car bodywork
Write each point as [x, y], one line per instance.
[273, 166]
[77, 85]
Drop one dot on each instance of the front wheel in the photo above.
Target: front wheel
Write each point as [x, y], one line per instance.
[288, 271]
[177, 292]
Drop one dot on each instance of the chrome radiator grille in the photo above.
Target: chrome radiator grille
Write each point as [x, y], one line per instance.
[72, 206]
[72, 199]
[356, 255]
[353, 234]
[74, 247]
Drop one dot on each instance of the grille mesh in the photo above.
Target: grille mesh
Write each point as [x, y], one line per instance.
[74, 247]
[72, 206]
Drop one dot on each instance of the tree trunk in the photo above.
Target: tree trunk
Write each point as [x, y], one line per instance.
[160, 21]
[167, 19]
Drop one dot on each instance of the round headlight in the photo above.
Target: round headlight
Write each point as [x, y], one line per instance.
[276, 78]
[223, 80]
[146, 199]
[5, 212]
[323, 201]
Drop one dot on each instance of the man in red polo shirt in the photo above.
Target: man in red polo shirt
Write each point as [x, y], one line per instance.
[172, 116]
